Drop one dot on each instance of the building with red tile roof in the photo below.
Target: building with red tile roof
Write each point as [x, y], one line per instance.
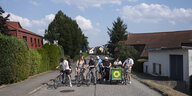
[33, 40]
[143, 41]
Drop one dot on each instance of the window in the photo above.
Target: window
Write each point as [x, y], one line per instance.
[156, 69]
[31, 40]
[38, 41]
[35, 40]
[25, 38]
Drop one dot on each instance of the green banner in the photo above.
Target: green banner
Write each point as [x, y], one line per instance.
[116, 74]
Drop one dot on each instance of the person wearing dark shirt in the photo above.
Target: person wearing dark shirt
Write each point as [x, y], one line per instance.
[106, 65]
[91, 67]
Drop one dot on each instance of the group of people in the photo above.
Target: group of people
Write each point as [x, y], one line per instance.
[95, 64]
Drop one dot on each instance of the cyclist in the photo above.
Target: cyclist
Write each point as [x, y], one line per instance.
[81, 63]
[100, 67]
[129, 63]
[65, 69]
[117, 63]
[91, 67]
[106, 65]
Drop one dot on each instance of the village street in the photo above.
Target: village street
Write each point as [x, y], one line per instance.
[35, 87]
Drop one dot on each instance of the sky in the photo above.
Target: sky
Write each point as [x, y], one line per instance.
[95, 16]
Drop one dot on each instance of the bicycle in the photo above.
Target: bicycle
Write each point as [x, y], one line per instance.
[59, 80]
[90, 77]
[79, 79]
[105, 73]
[127, 72]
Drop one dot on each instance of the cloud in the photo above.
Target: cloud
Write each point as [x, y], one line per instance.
[132, 0]
[44, 21]
[89, 30]
[82, 4]
[155, 13]
[33, 2]
[85, 24]
[24, 21]
[37, 26]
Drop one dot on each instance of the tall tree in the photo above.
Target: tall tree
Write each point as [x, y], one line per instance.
[67, 32]
[116, 34]
[3, 20]
[84, 45]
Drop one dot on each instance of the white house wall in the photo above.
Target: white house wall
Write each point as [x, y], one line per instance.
[162, 57]
[190, 62]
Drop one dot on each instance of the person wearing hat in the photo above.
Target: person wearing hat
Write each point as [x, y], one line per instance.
[106, 64]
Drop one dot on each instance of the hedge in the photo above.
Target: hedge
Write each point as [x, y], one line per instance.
[44, 59]
[35, 62]
[54, 55]
[61, 51]
[14, 62]
[18, 62]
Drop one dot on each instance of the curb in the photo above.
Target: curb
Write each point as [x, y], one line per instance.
[30, 77]
[2, 86]
[36, 89]
[156, 89]
[39, 88]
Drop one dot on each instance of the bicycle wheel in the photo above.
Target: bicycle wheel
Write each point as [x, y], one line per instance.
[55, 83]
[88, 79]
[79, 81]
[126, 78]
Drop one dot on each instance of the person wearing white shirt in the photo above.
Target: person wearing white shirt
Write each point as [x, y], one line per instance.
[117, 63]
[65, 69]
[129, 63]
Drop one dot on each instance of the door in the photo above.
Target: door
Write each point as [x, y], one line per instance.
[176, 67]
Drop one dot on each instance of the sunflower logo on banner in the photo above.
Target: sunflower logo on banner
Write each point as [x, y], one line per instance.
[116, 74]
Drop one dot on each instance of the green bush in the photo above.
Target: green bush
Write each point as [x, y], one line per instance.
[84, 54]
[54, 56]
[61, 51]
[44, 60]
[14, 62]
[35, 62]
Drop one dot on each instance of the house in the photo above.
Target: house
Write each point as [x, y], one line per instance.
[172, 62]
[33, 40]
[143, 41]
[91, 50]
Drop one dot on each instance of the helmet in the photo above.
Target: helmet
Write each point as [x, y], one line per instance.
[98, 57]
[106, 58]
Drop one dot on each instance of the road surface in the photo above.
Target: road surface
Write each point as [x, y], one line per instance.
[134, 89]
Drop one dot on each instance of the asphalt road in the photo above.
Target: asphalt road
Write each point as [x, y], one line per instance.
[134, 89]
[24, 87]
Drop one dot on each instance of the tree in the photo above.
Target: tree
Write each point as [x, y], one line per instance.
[68, 34]
[116, 34]
[3, 20]
[84, 45]
[126, 50]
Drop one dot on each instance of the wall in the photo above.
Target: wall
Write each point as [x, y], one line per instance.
[32, 45]
[162, 57]
[190, 61]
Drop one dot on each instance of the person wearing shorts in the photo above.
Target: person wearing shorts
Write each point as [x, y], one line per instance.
[81, 63]
[128, 63]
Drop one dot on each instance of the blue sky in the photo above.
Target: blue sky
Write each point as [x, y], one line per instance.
[94, 16]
